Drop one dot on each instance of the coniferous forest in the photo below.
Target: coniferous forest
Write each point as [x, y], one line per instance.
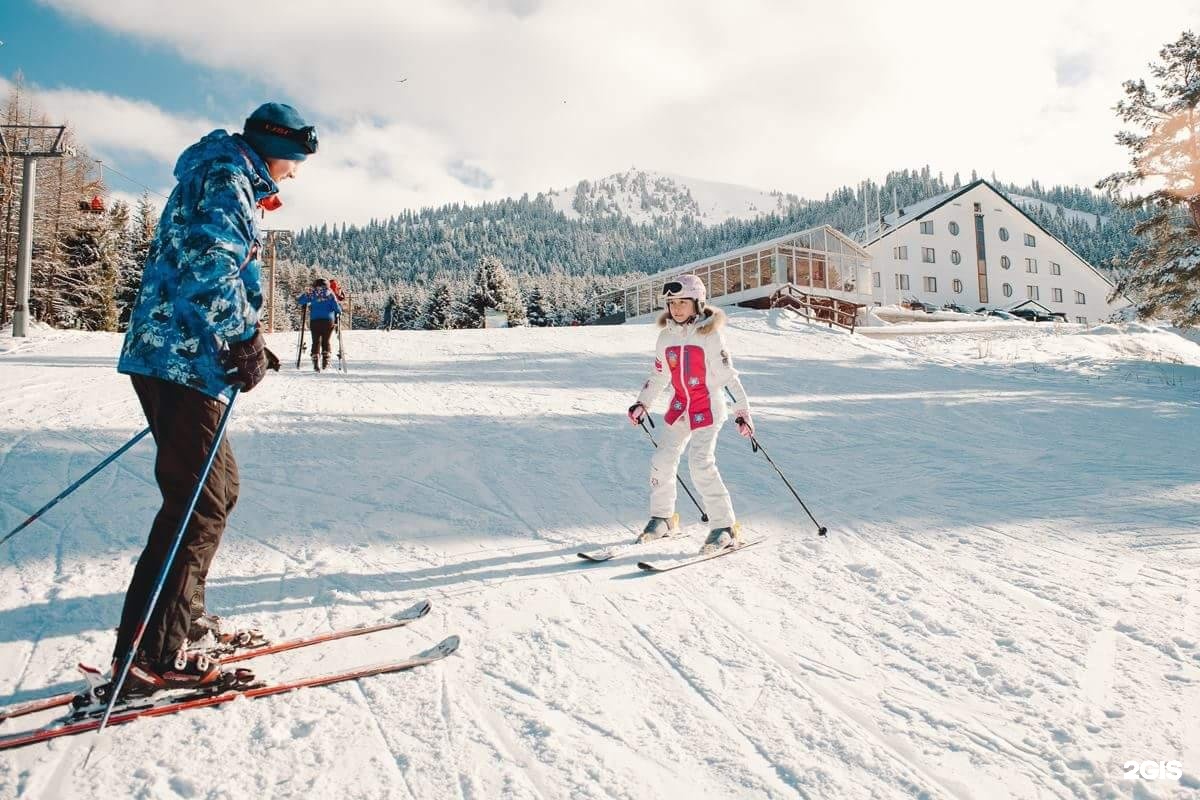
[439, 268]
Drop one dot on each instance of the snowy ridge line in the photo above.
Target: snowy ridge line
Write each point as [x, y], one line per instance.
[58, 729]
[406, 617]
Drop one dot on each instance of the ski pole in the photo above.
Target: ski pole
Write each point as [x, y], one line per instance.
[166, 567]
[341, 345]
[758, 448]
[678, 477]
[75, 485]
[300, 351]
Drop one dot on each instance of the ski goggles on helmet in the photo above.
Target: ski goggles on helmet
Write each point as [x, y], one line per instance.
[672, 287]
[306, 137]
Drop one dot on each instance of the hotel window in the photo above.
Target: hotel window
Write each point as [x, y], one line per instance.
[901, 281]
[953, 228]
[930, 284]
[1031, 265]
[1056, 295]
[955, 257]
[1032, 292]
[900, 253]
[1005, 262]
[1004, 234]
[1029, 240]
[1055, 269]
[957, 286]
[927, 227]
[978, 208]
[1081, 320]
[876, 279]
[927, 255]
[1007, 289]
[1079, 298]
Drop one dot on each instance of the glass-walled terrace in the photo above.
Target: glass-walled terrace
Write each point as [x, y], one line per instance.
[820, 259]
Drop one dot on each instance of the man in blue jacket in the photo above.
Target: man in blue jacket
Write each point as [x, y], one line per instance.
[193, 335]
[323, 309]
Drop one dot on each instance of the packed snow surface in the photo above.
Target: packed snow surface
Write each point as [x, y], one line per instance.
[1006, 606]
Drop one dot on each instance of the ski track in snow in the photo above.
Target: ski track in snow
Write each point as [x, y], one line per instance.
[1006, 605]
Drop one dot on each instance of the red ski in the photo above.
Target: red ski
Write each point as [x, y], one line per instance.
[405, 617]
[67, 727]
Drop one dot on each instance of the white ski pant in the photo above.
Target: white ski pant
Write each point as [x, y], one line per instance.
[702, 464]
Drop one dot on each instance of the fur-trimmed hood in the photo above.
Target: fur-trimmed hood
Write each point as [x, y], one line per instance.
[711, 319]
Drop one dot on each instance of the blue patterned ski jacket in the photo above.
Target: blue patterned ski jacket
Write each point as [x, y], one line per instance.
[201, 283]
[321, 303]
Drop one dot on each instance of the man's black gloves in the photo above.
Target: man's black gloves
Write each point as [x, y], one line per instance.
[246, 362]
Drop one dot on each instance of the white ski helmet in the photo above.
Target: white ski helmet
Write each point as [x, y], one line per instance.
[689, 287]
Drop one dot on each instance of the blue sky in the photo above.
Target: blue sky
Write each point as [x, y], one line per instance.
[424, 103]
[56, 50]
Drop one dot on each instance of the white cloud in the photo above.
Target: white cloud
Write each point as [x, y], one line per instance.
[765, 93]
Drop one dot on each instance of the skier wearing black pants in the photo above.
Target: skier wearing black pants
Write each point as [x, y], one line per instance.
[184, 424]
[323, 309]
[193, 336]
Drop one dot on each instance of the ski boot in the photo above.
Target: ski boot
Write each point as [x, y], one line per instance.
[316, 364]
[658, 528]
[187, 671]
[723, 538]
[325, 361]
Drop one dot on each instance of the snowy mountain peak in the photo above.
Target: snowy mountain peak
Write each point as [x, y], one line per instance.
[662, 198]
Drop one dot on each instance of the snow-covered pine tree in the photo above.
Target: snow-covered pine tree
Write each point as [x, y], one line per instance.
[438, 314]
[535, 311]
[141, 234]
[1162, 274]
[412, 300]
[85, 286]
[492, 288]
[114, 257]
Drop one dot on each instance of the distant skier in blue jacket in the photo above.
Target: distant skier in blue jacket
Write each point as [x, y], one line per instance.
[193, 335]
[323, 310]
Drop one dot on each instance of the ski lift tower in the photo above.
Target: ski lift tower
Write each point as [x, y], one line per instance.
[274, 237]
[29, 142]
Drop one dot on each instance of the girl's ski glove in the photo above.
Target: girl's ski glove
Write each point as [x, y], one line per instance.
[744, 424]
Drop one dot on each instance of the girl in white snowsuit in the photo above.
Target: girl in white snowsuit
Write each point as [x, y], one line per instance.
[693, 358]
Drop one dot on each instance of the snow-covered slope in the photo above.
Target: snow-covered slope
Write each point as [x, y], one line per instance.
[1006, 605]
[649, 196]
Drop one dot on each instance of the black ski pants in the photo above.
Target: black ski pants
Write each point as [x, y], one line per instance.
[184, 423]
[322, 331]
